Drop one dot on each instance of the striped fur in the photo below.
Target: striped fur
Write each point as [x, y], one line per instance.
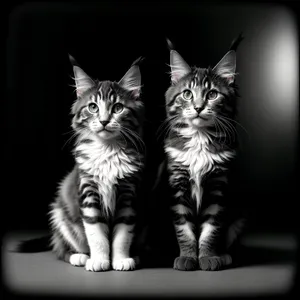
[93, 217]
[200, 147]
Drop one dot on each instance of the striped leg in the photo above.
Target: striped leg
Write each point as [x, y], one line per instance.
[68, 237]
[183, 219]
[95, 223]
[76, 257]
[124, 225]
[213, 226]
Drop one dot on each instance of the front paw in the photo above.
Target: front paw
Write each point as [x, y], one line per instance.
[97, 264]
[78, 259]
[214, 263]
[125, 264]
[184, 263]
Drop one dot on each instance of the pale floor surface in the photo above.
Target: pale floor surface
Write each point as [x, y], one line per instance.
[42, 274]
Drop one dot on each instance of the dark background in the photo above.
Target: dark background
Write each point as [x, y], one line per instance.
[105, 40]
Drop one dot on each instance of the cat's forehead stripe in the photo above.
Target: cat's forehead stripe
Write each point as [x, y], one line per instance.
[206, 83]
[106, 92]
[193, 83]
[100, 94]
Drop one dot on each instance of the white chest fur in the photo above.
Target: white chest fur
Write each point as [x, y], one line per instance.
[199, 161]
[107, 163]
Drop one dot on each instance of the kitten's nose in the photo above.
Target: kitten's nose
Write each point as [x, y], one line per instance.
[198, 109]
[104, 123]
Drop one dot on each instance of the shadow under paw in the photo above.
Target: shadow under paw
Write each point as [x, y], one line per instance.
[184, 263]
[214, 263]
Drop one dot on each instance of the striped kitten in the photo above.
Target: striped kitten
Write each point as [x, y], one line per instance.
[199, 104]
[94, 214]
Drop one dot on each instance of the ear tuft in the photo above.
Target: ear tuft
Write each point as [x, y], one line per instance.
[131, 81]
[72, 60]
[170, 44]
[236, 42]
[83, 82]
[138, 61]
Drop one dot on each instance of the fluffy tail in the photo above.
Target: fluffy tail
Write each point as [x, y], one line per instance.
[40, 244]
[138, 61]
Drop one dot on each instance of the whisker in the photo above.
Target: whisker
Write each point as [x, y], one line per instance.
[132, 141]
[124, 139]
[218, 129]
[167, 131]
[72, 130]
[168, 119]
[223, 130]
[164, 127]
[230, 125]
[135, 135]
[229, 128]
[74, 135]
[232, 120]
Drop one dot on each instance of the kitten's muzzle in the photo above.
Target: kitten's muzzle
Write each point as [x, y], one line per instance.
[199, 109]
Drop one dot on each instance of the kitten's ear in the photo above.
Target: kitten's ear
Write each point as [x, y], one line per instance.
[82, 80]
[226, 66]
[179, 67]
[131, 81]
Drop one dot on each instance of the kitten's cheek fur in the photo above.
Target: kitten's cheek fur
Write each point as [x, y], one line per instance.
[95, 128]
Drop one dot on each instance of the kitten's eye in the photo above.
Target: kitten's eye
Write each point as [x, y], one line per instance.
[118, 108]
[187, 95]
[93, 108]
[212, 95]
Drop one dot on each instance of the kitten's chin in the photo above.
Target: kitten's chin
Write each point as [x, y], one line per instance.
[199, 122]
[196, 122]
[106, 135]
